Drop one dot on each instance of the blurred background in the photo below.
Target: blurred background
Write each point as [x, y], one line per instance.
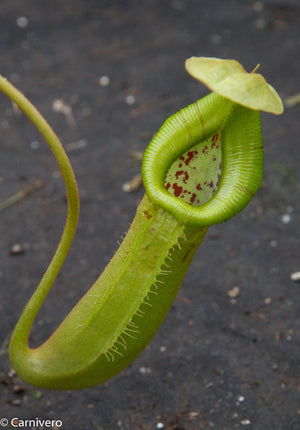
[106, 74]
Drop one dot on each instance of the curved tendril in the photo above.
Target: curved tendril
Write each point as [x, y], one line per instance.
[21, 333]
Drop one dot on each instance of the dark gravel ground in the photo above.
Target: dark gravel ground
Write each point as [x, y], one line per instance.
[217, 362]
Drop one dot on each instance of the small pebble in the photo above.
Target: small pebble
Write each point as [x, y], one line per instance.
[133, 184]
[19, 389]
[17, 249]
[60, 106]
[34, 145]
[130, 99]
[209, 385]
[193, 415]
[22, 22]
[11, 373]
[234, 292]
[285, 218]
[104, 81]
[273, 243]
[144, 370]
[160, 426]
[245, 422]
[78, 144]
[162, 348]
[292, 100]
[295, 276]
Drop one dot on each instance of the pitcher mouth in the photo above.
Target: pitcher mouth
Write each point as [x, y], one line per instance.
[219, 168]
[195, 176]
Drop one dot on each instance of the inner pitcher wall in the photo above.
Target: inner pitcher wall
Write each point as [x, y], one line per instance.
[194, 177]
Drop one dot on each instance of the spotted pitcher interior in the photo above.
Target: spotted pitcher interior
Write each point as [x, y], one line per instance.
[194, 177]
